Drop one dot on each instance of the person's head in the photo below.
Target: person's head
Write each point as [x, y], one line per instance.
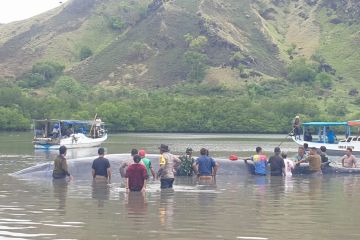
[258, 150]
[306, 146]
[283, 155]
[136, 158]
[301, 150]
[134, 151]
[142, 153]
[62, 150]
[313, 151]
[277, 151]
[189, 151]
[164, 148]
[323, 149]
[101, 151]
[203, 151]
[349, 151]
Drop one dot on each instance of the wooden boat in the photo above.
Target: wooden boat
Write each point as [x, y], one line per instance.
[51, 134]
[333, 144]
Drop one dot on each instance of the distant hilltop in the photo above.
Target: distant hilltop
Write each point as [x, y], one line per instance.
[144, 42]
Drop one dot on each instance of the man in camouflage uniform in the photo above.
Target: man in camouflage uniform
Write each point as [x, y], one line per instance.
[186, 165]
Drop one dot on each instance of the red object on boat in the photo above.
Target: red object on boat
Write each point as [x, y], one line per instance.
[354, 123]
[233, 157]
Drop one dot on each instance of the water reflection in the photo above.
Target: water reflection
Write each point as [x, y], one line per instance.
[100, 191]
[136, 203]
[166, 208]
[60, 189]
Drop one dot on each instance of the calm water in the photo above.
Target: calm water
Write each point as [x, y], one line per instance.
[237, 207]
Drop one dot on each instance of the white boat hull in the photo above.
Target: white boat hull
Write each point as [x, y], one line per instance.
[77, 140]
[332, 148]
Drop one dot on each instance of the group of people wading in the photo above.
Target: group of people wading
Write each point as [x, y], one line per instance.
[280, 165]
[139, 169]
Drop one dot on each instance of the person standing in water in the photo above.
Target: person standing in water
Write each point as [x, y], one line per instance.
[168, 164]
[348, 160]
[147, 163]
[289, 165]
[277, 165]
[127, 163]
[136, 176]
[186, 165]
[60, 165]
[314, 160]
[205, 166]
[259, 163]
[101, 170]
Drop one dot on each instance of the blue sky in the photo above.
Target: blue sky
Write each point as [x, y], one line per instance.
[14, 10]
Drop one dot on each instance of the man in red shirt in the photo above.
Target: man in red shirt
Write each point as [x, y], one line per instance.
[136, 176]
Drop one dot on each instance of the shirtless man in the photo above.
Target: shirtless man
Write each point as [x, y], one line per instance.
[348, 160]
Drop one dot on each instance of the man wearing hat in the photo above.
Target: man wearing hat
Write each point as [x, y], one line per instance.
[277, 165]
[168, 163]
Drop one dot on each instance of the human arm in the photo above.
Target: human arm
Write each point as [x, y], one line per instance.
[93, 173]
[122, 169]
[152, 172]
[215, 166]
[354, 162]
[108, 170]
[342, 161]
[145, 177]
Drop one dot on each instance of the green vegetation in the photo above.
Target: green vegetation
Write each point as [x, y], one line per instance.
[85, 52]
[189, 66]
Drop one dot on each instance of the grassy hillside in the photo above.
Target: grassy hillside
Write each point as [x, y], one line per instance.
[262, 51]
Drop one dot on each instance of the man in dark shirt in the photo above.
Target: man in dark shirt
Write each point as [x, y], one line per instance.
[277, 164]
[60, 165]
[101, 167]
[205, 166]
[136, 175]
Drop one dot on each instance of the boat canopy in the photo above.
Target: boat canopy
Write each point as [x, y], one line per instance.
[354, 123]
[319, 124]
[68, 122]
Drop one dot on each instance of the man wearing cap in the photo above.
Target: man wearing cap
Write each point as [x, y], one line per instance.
[101, 170]
[186, 165]
[314, 160]
[147, 163]
[168, 162]
[277, 165]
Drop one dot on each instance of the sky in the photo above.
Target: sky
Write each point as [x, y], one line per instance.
[15, 10]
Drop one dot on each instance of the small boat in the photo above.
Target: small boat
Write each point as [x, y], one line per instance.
[326, 136]
[51, 134]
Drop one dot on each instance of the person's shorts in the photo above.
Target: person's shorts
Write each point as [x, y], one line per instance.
[166, 183]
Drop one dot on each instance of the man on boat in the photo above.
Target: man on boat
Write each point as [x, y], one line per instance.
[60, 165]
[101, 170]
[348, 160]
[205, 166]
[277, 165]
[296, 127]
[168, 164]
[259, 163]
[314, 160]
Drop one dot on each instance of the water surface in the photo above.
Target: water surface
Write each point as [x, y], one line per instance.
[239, 206]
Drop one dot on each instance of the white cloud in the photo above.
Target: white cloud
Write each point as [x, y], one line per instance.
[14, 10]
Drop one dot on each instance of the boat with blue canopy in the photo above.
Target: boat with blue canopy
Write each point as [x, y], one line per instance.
[317, 134]
[51, 134]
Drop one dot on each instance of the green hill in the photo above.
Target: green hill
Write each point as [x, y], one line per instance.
[265, 51]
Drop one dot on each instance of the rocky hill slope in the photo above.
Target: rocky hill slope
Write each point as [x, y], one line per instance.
[143, 42]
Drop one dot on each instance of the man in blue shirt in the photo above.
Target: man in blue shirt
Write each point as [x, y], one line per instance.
[101, 167]
[259, 163]
[205, 166]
